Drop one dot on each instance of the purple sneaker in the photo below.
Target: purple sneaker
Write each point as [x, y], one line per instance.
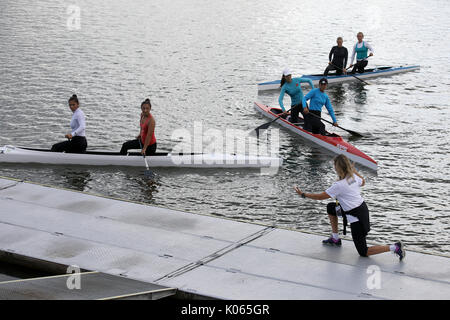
[400, 250]
[332, 241]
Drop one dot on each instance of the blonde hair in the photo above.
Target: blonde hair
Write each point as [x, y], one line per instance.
[343, 167]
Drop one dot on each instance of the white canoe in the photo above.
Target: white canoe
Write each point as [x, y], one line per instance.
[369, 73]
[11, 154]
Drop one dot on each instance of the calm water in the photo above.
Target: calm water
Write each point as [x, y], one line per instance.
[201, 60]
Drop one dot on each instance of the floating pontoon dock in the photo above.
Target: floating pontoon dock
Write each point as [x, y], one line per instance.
[201, 255]
[89, 286]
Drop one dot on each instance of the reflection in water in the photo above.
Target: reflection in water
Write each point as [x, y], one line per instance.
[336, 93]
[148, 187]
[359, 88]
[299, 153]
[75, 178]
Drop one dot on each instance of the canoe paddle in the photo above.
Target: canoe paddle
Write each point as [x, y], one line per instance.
[365, 59]
[266, 125]
[147, 172]
[354, 133]
[353, 74]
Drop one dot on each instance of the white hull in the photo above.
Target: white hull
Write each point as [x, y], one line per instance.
[275, 85]
[11, 154]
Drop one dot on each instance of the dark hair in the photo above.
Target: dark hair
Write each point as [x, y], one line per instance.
[74, 98]
[283, 80]
[146, 101]
[323, 80]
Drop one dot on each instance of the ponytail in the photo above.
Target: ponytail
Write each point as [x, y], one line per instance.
[283, 80]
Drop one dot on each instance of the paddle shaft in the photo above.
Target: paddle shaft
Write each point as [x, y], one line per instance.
[349, 131]
[145, 159]
[351, 74]
[146, 164]
[352, 65]
[266, 125]
[279, 116]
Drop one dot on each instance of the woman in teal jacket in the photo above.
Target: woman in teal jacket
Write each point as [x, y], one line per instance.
[318, 98]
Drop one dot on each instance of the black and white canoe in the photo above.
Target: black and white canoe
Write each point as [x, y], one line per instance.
[11, 154]
[332, 78]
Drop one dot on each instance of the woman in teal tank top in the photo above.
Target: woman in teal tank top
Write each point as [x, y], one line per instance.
[360, 49]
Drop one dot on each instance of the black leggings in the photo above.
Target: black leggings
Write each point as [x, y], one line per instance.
[76, 145]
[295, 110]
[359, 239]
[331, 67]
[360, 65]
[134, 144]
[358, 235]
[313, 124]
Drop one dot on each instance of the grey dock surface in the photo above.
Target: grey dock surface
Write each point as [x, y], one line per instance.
[90, 286]
[201, 255]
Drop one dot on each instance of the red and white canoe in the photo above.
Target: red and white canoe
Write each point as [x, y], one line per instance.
[334, 143]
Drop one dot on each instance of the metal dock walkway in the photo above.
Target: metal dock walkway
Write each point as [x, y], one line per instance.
[82, 286]
[203, 255]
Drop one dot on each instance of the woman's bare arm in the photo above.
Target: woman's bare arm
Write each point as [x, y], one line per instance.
[151, 129]
[314, 196]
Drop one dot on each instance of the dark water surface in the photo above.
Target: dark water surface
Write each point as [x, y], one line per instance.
[200, 61]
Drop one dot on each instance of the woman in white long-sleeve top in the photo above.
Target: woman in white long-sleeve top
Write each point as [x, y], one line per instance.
[76, 142]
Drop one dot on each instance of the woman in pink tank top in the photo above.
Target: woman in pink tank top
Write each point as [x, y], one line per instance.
[146, 140]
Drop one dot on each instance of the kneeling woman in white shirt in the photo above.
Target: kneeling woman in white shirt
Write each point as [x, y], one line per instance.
[77, 142]
[353, 208]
